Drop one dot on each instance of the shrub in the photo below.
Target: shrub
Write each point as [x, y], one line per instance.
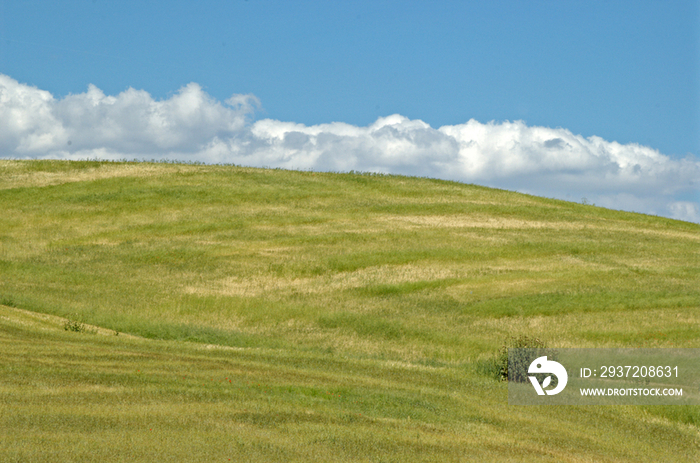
[74, 325]
[516, 368]
[78, 327]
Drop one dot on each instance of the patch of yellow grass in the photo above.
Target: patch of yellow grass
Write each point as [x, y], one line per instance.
[558, 329]
[475, 221]
[478, 221]
[46, 322]
[14, 174]
[267, 284]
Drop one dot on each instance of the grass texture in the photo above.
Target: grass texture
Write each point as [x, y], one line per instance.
[173, 312]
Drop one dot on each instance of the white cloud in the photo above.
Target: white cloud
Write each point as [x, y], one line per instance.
[193, 126]
[129, 124]
[685, 210]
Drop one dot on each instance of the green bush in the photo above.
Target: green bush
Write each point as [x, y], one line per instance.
[514, 367]
[73, 325]
[78, 327]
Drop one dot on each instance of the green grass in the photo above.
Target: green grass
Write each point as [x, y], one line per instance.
[266, 315]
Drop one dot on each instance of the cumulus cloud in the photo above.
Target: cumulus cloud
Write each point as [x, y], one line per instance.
[193, 126]
[35, 124]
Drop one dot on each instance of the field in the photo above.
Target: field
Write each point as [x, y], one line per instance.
[173, 312]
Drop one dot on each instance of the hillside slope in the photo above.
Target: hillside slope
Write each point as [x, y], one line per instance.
[316, 316]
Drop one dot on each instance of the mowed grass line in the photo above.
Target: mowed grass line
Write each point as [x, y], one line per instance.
[390, 290]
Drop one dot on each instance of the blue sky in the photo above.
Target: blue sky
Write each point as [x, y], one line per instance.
[624, 71]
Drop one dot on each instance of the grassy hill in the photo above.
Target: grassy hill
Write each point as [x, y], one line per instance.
[153, 312]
